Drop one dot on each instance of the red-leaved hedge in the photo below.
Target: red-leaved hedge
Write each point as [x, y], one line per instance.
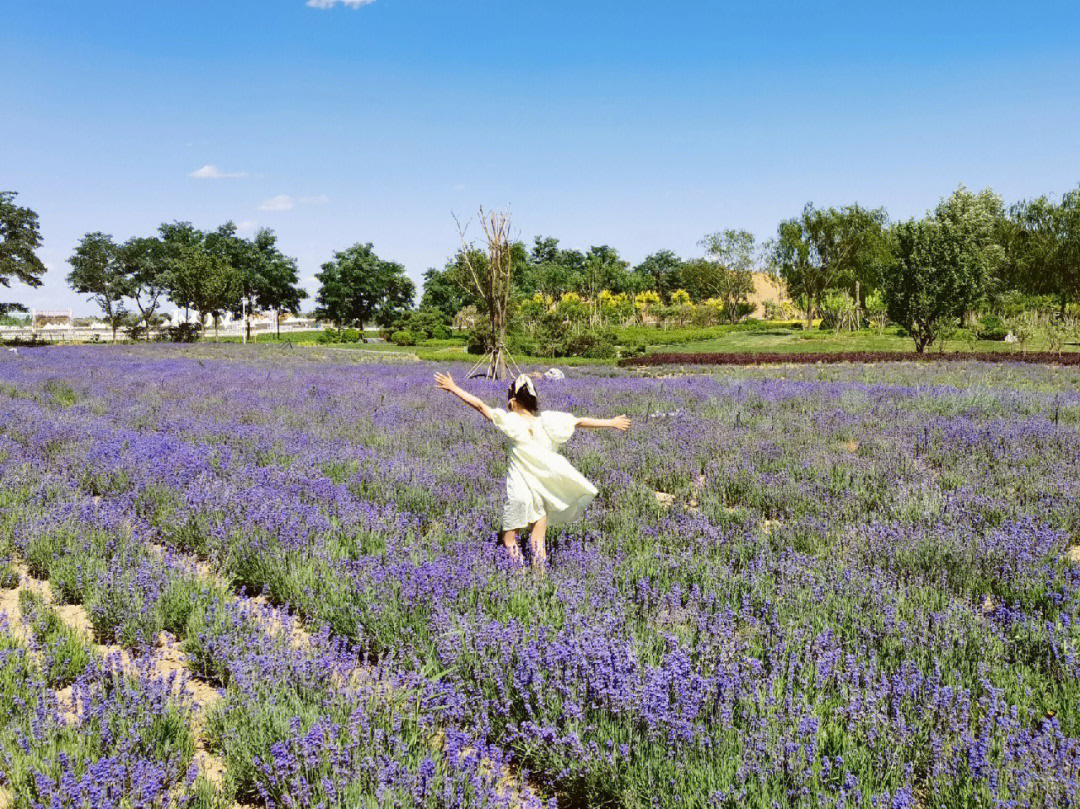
[812, 358]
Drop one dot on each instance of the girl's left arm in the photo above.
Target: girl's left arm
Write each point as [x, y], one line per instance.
[620, 423]
[446, 382]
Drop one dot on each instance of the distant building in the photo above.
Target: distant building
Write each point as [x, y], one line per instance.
[55, 319]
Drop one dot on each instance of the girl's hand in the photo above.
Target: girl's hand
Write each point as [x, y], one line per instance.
[445, 382]
[621, 423]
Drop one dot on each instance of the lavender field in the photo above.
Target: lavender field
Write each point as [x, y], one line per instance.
[271, 578]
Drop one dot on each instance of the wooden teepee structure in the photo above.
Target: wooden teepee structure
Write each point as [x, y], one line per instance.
[492, 280]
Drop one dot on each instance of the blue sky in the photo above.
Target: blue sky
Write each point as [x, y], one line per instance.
[640, 125]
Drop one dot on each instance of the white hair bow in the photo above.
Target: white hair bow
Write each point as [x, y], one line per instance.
[524, 381]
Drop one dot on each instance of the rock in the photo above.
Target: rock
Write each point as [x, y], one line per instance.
[664, 499]
[554, 373]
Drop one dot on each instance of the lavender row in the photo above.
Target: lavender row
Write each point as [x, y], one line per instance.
[862, 591]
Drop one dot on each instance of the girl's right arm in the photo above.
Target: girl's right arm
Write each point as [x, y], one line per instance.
[446, 382]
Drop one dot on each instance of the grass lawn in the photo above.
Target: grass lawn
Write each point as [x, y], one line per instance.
[741, 338]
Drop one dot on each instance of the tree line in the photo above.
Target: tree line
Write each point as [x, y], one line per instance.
[209, 272]
[967, 254]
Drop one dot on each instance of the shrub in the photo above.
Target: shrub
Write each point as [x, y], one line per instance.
[403, 338]
[333, 336]
[183, 333]
[440, 332]
[991, 327]
[594, 345]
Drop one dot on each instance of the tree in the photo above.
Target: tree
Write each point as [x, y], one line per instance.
[234, 286]
[357, 286]
[96, 271]
[493, 279]
[604, 270]
[829, 248]
[734, 254]
[1045, 258]
[144, 264]
[937, 276]
[19, 238]
[548, 269]
[184, 260]
[278, 286]
[199, 275]
[660, 271]
[442, 294]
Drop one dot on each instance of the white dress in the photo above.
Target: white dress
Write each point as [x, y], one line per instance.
[541, 482]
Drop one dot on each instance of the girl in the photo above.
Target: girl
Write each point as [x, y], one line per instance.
[542, 488]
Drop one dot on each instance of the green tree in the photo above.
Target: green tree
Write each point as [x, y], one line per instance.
[830, 248]
[20, 237]
[200, 275]
[660, 271]
[1045, 254]
[937, 276]
[603, 269]
[357, 286]
[184, 261]
[144, 263]
[734, 254]
[96, 271]
[278, 286]
[443, 294]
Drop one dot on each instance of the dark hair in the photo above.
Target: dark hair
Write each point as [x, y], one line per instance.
[524, 398]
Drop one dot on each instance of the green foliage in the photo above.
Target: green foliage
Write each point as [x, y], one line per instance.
[357, 286]
[96, 270]
[941, 264]
[20, 237]
[830, 248]
[66, 654]
[403, 338]
[991, 327]
[840, 312]
[184, 333]
[661, 271]
[331, 336]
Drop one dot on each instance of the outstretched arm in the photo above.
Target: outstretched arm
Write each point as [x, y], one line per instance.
[446, 382]
[620, 423]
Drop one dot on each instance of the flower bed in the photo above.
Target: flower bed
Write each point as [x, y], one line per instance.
[827, 357]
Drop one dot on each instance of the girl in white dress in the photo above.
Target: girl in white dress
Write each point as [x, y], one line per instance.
[542, 487]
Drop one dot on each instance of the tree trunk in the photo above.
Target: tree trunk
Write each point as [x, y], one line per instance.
[497, 368]
[277, 321]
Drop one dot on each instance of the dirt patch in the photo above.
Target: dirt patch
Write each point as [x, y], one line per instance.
[664, 499]
[278, 621]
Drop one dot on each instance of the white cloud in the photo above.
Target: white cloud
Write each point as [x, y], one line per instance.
[212, 172]
[246, 226]
[332, 3]
[282, 202]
